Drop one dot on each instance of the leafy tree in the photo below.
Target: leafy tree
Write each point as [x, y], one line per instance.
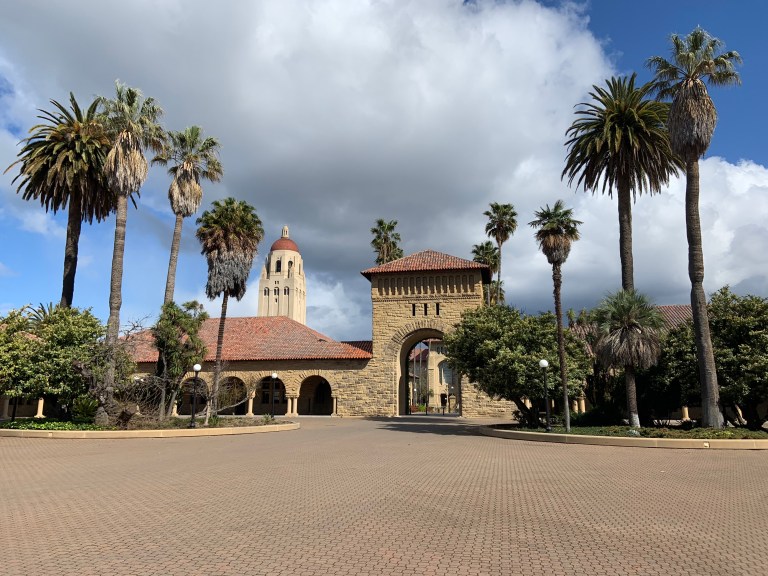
[499, 349]
[385, 241]
[20, 354]
[132, 123]
[61, 166]
[488, 254]
[629, 328]
[502, 223]
[556, 231]
[229, 235]
[193, 158]
[740, 338]
[696, 61]
[179, 346]
[619, 142]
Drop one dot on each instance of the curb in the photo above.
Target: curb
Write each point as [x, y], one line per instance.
[169, 433]
[686, 443]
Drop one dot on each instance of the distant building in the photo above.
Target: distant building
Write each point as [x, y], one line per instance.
[282, 287]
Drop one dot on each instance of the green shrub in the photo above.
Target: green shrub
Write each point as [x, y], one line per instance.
[267, 419]
[84, 409]
[605, 415]
[29, 424]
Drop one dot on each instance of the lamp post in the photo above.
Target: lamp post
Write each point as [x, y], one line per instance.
[274, 379]
[196, 369]
[543, 364]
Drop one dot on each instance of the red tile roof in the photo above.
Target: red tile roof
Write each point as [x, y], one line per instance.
[675, 314]
[428, 261]
[284, 244]
[273, 338]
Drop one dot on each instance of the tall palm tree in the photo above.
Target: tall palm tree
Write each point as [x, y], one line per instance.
[619, 142]
[502, 223]
[696, 61]
[385, 241]
[488, 254]
[132, 122]
[194, 158]
[556, 231]
[629, 332]
[61, 166]
[229, 235]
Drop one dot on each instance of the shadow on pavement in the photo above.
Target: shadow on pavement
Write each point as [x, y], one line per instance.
[443, 425]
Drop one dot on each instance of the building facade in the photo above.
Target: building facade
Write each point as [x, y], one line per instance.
[282, 286]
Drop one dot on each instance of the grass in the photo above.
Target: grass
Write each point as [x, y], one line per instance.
[694, 433]
[136, 423]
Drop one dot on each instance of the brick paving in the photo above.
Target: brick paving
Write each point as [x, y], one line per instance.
[377, 497]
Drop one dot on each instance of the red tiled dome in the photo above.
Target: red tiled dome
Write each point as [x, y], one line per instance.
[284, 244]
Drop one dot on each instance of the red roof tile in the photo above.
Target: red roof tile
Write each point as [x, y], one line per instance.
[428, 261]
[675, 314]
[272, 338]
[284, 244]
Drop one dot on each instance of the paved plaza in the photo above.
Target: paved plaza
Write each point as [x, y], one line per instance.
[377, 497]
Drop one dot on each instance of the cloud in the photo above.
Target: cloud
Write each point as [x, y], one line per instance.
[6, 272]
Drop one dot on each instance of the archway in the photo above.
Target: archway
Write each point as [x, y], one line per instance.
[187, 390]
[315, 397]
[262, 403]
[233, 397]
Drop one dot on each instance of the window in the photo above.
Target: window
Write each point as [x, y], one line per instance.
[278, 266]
[413, 309]
[437, 308]
[265, 388]
[425, 308]
[285, 291]
[266, 291]
[277, 291]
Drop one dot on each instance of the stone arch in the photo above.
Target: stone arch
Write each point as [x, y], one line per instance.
[315, 397]
[263, 397]
[187, 389]
[233, 396]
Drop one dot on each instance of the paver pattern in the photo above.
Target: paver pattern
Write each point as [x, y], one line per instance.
[377, 497]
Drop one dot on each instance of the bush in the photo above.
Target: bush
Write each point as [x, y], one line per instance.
[605, 415]
[29, 424]
[84, 409]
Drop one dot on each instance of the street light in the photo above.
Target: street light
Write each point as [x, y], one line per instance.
[543, 364]
[274, 379]
[196, 369]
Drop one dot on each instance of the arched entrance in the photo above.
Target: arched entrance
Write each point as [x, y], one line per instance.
[315, 397]
[233, 397]
[262, 403]
[188, 388]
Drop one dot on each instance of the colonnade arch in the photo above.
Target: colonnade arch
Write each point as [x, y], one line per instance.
[315, 397]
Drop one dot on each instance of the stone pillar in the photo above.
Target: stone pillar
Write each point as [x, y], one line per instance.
[40, 402]
[4, 410]
[250, 404]
[684, 410]
[574, 405]
[174, 410]
[582, 404]
[335, 406]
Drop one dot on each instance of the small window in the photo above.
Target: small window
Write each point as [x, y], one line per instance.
[277, 291]
[425, 309]
[278, 266]
[437, 308]
[413, 309]
[285, 291]
[266, 291]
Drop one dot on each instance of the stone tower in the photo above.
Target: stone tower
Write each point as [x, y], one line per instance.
[282, 287]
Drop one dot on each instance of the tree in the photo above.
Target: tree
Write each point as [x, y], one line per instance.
[502, 223]
[229, 235]
[194, 158]
[696, 61]
[179, 346]
[385, 241]
[556, 230]
[488, 254]
[61, 165]
[630, 330]
[619, 142]
[20, 353]
[132, 122]
[499, 349]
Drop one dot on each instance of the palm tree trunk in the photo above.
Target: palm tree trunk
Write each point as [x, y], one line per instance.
[557, 281]
[74, 223]
[710, 393]
[213, 400]
[629, 381]
[115, 290]
[498, 277]
[170, 282]
[625, 237]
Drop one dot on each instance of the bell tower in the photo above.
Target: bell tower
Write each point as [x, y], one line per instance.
[282, 287]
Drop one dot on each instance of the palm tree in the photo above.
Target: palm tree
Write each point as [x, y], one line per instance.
[556, 231]
[692, 118]
[488, 254]
[385, 241]
[629, 332]
[194, 158]
[61, 166]
[229, 235]
[132, 122]
[619, 142]
[502, 223]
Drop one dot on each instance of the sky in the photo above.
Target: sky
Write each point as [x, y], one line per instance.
[332, 114]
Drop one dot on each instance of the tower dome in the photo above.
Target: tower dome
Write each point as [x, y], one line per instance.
[284, 242]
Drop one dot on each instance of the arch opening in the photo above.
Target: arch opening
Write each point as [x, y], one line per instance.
[233, 397]
[266, 390]
[188, 388]
[315, 397]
